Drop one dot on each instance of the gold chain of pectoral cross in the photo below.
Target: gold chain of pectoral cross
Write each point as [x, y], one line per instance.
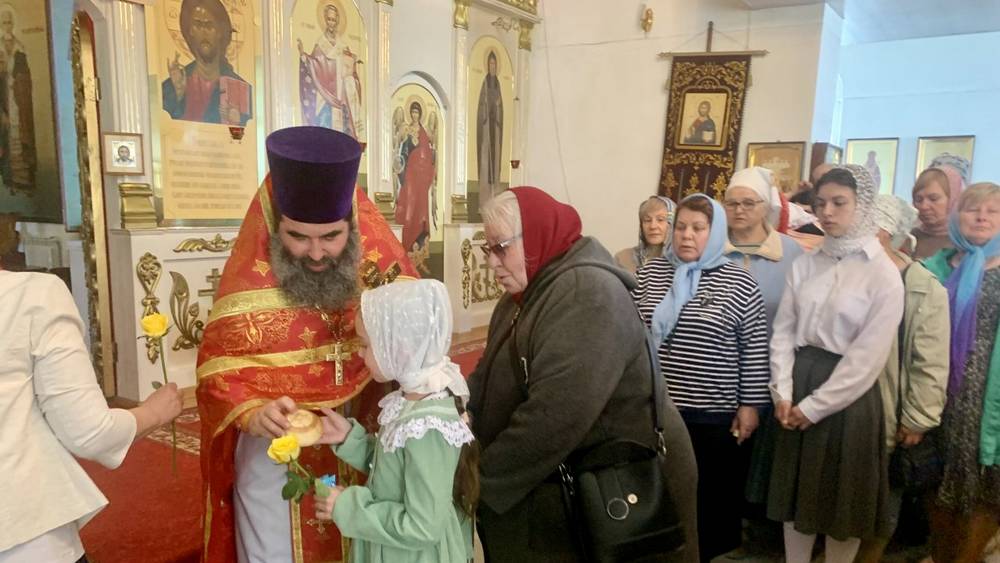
[340, 353]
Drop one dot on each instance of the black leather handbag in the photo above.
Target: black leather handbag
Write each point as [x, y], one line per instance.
[615, 494]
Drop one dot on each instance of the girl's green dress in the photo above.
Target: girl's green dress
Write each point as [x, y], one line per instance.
[406, 512]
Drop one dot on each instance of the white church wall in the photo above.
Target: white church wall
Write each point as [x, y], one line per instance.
[422, 42]
[925, 87]
[597, 77]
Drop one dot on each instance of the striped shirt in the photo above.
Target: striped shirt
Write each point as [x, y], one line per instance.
[716, 359]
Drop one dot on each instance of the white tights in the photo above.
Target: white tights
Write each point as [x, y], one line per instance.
[799, 546]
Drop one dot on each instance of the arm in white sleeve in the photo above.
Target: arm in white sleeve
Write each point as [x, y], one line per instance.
[860, 367]
[783, 343]
[66, 387]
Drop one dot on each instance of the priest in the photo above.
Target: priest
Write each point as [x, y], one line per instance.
[280, 337]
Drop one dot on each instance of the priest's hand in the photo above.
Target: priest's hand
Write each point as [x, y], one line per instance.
[335, 428]
[271, 420]
[324, 506]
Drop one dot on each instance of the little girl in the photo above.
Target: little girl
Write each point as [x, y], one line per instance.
[419, 502]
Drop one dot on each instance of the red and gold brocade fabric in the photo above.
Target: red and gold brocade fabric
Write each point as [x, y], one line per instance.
[259, 346]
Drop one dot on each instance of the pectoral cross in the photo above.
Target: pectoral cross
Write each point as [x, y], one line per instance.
[338, 357]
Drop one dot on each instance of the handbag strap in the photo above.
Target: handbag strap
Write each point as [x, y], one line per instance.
[659, 390]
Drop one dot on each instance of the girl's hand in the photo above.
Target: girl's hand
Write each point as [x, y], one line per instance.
[797, 420]
[324, 506]
[781, 412]
[335, 428]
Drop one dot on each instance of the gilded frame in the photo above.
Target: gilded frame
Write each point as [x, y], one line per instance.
[764, 154]
[926, 152]
[44, 201]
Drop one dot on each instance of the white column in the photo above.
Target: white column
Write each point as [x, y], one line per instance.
[522, 96]
[124, 91]
[379, 148]
[279, 67]
[459, 115]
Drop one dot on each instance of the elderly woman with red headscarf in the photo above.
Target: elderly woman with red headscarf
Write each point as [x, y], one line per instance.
[566, 367]
[934, 195]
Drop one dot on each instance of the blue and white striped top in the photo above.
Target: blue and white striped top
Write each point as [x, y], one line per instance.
[716, 360]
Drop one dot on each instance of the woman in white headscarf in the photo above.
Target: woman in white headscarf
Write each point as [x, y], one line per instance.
[829, 346]
[753, 210]
[420, 499]
[656, 225]
[915, 377]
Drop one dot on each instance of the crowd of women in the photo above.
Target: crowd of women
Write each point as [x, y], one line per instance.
[805, 350]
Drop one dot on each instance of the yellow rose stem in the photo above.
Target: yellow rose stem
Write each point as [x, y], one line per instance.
[306, 474]
[173, 425]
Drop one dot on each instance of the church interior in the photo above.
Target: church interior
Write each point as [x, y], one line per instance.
[136, 134]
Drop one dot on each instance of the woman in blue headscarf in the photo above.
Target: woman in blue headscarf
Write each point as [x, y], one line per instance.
[967, 507]
[708, 316]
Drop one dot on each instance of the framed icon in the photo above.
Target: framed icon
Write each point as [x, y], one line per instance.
[879, 157]
[122, 154]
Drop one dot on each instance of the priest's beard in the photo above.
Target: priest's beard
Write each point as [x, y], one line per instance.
[332, 288]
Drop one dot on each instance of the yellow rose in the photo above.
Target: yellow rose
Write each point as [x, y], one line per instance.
[284, 450]
[155, 325]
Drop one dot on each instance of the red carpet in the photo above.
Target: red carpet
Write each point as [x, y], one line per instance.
[467, 356]
[154, 516]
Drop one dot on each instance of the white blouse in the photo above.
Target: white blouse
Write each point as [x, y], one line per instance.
[852, 307]
[52, 409]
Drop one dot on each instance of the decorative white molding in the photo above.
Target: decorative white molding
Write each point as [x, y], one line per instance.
[469, 313]
[135, 373]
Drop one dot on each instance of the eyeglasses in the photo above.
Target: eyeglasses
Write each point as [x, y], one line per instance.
[746, 204]
[500, 248]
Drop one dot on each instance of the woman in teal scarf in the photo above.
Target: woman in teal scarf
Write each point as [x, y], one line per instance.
[967, 509]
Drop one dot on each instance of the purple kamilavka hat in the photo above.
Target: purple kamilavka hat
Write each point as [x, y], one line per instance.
[313, 172]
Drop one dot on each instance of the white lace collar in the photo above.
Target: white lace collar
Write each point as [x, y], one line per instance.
[394, 432]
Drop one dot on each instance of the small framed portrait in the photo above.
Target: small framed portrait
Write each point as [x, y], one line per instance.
[784, 159]
[703, 120]
[931, 148]
[879, 157]
[122, 154]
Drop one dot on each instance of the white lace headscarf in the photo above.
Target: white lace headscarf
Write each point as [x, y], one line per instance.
[896, 217]
[409, 329]
[863, 226]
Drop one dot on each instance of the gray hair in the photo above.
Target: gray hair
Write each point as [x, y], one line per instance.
[503, 212]
[976, 194]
